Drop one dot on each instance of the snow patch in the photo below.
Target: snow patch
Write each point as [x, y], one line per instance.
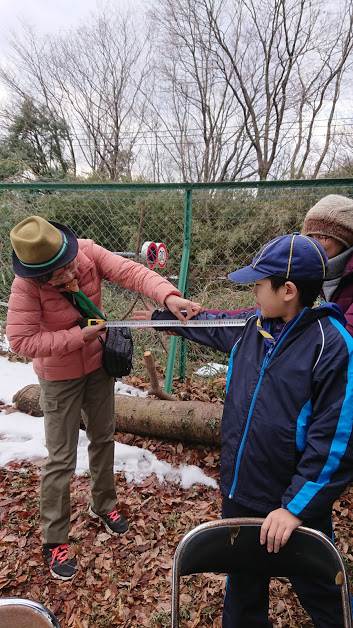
[211, 369]
[124, 389]
[22, 438]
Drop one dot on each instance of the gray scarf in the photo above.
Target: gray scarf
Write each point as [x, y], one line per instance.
[336, 266]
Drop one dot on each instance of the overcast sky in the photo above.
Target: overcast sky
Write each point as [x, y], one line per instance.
[46, 15]
[49, 16]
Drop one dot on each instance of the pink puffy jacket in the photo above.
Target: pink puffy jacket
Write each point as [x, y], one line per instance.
[41, 323]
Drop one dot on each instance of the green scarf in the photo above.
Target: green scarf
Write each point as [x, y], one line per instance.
[86, 305]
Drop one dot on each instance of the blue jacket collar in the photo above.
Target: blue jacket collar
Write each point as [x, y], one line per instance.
[304, 318]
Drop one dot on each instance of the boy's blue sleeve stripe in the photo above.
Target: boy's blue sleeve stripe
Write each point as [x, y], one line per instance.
[302, 425]
[230, 365]
[340, 440]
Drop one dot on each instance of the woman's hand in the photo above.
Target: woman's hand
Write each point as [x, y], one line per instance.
[92, 332]
[182, 308]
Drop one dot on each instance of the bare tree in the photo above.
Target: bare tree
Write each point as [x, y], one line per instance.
[340, 154]
[27, 80]
[282, 59]
[92, 79]
[103, 90]
[234, 89]
[196, 118]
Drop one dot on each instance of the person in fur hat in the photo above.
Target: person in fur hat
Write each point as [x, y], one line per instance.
[330, 222]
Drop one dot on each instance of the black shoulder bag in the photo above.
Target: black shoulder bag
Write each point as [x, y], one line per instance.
[118, 346]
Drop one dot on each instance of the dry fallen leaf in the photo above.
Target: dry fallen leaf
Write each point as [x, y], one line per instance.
[125, 581]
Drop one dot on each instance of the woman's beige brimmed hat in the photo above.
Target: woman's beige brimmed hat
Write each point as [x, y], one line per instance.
[41, 246]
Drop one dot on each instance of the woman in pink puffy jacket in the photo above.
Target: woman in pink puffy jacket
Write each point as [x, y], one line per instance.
[42, 325]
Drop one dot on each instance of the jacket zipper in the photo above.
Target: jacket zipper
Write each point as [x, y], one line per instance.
[247, 425]
[269, 355]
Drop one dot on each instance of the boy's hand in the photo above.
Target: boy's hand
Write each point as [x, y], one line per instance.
[142, 315]
[176, 304]
[277, 528]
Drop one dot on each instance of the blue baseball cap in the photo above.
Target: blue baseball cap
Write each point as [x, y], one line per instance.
[292, 256]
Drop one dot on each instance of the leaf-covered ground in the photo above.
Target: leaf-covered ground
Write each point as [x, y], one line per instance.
[125, 582]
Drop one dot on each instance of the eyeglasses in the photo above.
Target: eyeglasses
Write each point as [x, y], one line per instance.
[319, 236]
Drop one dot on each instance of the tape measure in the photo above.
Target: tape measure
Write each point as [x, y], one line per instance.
[217, 322]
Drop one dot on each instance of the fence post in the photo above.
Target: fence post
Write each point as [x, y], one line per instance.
[183, 350]
[183, 276]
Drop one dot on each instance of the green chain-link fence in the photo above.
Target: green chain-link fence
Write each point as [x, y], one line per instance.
[209, 229]
[121, 221]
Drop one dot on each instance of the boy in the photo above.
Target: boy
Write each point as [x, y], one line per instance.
[287, 446]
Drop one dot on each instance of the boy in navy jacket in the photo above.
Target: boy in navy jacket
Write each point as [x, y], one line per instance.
[287, 446]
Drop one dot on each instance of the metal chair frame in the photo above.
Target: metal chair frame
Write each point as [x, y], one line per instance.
[42, 611]
[293, 559]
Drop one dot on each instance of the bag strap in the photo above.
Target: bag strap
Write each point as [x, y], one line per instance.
[84, 305]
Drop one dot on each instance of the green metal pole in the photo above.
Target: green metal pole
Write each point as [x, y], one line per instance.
[183, 276]
[183, 347]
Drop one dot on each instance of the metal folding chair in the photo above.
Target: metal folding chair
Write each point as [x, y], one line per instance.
[21, 613]
[233, 545]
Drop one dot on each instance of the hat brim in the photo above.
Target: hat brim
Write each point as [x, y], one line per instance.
[70, 253]
[248, 274]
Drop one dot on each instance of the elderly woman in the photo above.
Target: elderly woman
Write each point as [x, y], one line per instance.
[42, 324]
[330, 222]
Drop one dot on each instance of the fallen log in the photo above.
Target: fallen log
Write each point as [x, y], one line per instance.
[27, 400]
[193, 421]
[189, 421]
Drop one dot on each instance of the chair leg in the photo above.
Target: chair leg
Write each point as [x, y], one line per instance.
[346, 605]
[175, 600]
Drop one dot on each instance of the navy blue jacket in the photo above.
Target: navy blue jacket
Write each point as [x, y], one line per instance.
[288, 414]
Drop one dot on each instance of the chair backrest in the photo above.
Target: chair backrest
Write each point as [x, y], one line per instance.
[229, 545]
[22, 613]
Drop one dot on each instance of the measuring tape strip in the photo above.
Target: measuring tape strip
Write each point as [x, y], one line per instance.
[217, 322]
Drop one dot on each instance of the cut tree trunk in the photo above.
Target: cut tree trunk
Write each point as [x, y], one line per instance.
[190, 421]
[156, 388]
[194, 421]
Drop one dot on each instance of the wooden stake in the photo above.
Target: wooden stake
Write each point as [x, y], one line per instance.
[155, 385]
